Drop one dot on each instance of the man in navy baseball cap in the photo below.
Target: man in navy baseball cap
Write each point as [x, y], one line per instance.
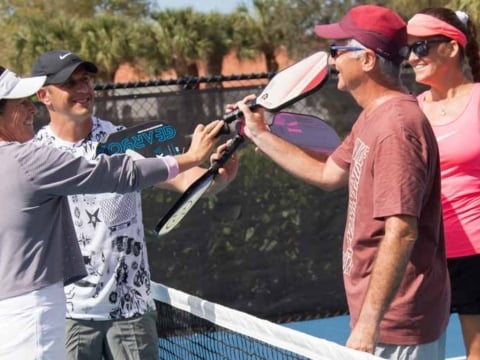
[59, 65]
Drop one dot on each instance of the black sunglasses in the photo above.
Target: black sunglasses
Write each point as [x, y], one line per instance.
[334, 49]
[421, 48]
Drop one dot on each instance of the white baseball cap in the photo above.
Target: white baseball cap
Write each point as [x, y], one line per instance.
[14, 87]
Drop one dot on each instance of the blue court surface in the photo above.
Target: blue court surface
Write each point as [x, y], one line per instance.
[336, 329]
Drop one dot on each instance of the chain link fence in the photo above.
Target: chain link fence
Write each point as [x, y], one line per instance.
[269, 244]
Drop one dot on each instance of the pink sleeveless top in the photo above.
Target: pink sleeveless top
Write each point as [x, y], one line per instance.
[459, 145]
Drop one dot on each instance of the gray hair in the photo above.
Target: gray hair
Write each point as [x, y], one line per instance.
[390, 70]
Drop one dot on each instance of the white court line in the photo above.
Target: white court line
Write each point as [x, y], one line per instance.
[457, 358]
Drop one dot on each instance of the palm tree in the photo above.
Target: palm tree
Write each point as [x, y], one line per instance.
[406, 8]
[218, 30]
[130, 8]
[288, 24]
[35, 36]
[79, 8]
[179, 32]
[104, 40]
[260, 32]
[152, 54]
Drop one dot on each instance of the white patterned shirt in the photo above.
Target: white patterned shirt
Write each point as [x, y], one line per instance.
[110, 233]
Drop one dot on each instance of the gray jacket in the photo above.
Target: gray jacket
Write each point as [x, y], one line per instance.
[38, 246]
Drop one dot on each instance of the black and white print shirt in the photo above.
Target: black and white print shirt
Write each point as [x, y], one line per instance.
[111, 237]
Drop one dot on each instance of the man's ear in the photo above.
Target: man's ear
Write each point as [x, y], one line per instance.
[369, 59]
[43, 95]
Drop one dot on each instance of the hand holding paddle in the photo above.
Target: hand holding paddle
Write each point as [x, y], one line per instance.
[288, 86]
[203, 140]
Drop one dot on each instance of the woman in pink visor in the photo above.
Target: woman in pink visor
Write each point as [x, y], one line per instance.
[443, 52]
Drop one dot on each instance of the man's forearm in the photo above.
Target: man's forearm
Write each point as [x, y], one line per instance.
[316, 169]
[389, 268]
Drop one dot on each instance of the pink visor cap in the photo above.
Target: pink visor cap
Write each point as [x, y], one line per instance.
[375, 27]
[423, 25]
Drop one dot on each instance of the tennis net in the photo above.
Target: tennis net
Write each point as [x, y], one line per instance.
[193, 328]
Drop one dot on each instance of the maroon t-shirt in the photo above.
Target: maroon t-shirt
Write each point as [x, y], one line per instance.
[392, 159]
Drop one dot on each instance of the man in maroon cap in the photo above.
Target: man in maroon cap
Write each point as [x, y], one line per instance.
[394, 263]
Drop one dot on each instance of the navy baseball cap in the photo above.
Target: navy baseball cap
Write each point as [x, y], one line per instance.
[59, 65]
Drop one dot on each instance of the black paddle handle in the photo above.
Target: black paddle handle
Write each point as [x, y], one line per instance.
[237, 114]
[231, 148]
[231, 126]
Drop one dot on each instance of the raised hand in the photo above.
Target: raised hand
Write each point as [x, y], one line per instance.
[204, 139]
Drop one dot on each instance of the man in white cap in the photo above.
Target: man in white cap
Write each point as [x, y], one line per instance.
[39, 251]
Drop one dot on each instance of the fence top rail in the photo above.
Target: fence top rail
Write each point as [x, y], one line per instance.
[185, 81]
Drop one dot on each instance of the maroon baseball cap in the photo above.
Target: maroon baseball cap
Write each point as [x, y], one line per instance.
[375, 27]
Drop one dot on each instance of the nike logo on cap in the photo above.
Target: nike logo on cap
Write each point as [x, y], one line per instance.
[447, 135]
[61, 57]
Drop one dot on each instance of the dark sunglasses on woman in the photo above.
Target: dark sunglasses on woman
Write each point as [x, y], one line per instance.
[421, 48]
